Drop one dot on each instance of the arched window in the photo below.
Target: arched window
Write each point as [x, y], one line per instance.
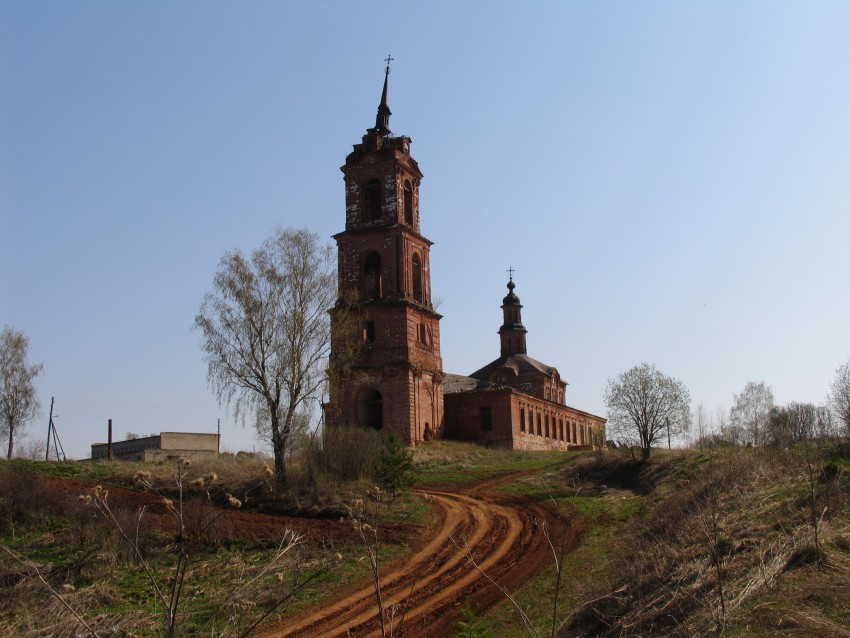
[417, 277]
[372, 201]
[522, 419]
[408, 203]
[370, 410]
[372, 276]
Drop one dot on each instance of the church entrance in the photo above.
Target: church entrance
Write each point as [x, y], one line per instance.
[370, 409]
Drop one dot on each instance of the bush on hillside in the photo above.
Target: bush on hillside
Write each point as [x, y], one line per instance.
[395, 468]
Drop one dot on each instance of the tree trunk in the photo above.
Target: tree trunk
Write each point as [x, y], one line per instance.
[11, 443]
[279, 450]
[279, 463]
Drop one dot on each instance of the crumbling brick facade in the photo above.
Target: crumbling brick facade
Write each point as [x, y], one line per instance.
[384, 270]
[394, 379]
[500, 416]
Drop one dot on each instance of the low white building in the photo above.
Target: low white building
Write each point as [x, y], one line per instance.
[167, 446]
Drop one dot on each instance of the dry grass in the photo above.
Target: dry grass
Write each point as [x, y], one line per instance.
[238, 474]
[704, 556]
[227, 584]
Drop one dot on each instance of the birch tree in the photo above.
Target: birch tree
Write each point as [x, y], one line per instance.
[839, 395]
[751, 412]
[18, 401]
[266, 332]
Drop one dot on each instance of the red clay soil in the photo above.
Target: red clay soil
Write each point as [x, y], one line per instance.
[230, 525]
[430, 584]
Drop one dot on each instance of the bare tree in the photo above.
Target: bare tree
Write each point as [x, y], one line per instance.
[644, 404]
[792, 423]
[839, 394]
[751, 411]
[18, 401]
[702, 424]
[726, 431]
[266, 332]
[825, 425]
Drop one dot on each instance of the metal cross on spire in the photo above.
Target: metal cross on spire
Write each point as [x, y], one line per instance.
[511, 272]
[382, 120]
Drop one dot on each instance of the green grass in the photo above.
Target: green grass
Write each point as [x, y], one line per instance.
[610, 496]
[603, 515]
[211, 574]
[64, 470]
[451, 463]
[618, 500]
[50, 540]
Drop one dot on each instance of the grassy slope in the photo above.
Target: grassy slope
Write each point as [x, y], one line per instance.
[656, 534]
[72, 546]
[652, 539]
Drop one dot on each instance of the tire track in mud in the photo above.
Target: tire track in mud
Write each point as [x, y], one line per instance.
[436, 577]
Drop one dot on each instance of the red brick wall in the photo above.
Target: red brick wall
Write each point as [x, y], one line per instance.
[403, 360]
[508, 407]
[412, 401]
[463, 417]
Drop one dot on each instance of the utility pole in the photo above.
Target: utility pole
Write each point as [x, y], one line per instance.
[49, 431]
[57, 444]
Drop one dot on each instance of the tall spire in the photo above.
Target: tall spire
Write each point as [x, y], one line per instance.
[382, 120]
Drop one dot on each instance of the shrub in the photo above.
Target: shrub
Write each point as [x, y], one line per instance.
[347, 453]
[470, 626]
[395, 468]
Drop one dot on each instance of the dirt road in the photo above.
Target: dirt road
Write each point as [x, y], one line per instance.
[431, 583]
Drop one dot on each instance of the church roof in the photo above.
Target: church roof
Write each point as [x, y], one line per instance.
[521, 364]
[455, 383]
[511, 299]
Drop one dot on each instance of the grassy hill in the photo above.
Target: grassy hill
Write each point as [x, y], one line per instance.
[738, 542]
[733, 542]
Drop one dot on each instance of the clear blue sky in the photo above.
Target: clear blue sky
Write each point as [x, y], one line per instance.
[669, 180]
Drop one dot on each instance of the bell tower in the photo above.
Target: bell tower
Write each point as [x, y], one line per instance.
[395, 374]
[512, 332]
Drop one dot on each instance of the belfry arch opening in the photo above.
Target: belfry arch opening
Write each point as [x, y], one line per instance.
[372, 201]
[417, 277]
[408, 203]
[371, 283]
[370, 409]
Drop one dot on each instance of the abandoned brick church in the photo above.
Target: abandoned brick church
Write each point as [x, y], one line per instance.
[397, 379]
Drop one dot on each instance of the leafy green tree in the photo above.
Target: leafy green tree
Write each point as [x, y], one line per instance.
[395, 469]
